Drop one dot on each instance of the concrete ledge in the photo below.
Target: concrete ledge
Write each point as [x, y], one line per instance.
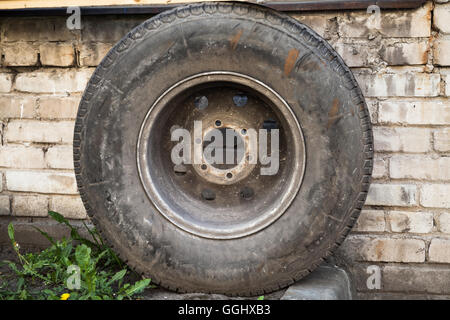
[324, 283]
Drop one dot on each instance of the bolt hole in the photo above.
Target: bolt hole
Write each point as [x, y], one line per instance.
[240, 100]
[180, 170]
[229, 175]
[218, 123]
[208, 194]
[244, 131]
[246, 193]
[204, 166]
[201, 102]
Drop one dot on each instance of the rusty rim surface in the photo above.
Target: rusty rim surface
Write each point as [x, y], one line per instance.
[220, 201]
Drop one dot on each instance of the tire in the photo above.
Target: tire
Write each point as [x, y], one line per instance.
[223, 40]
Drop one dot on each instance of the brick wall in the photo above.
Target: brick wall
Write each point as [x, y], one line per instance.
[402, 65]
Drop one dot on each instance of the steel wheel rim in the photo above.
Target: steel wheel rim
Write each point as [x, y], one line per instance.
[151, 182]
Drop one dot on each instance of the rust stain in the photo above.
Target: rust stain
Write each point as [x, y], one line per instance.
[333, 113]
[290, 61]
[235, 39]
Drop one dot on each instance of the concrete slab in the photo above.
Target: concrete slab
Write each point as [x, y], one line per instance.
[324, 283]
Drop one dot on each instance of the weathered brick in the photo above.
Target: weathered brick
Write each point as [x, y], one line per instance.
[30, 206]
[57, 54]
[443, 222]
[41, 181]
[414, 222]
[4, 205]
[5, 82]
[70, 207]
[439, 251]
[417, 112]
[20, 54]
[384, 249]
[59, 157]
[58, 107]
[315, 21]
[107, 30]
[92, 53]
[61, 80]
[21, 157]
[354, 55]
[405, 53]
[441, 48]
[442, 140]
[427, 278]
[394, 24]
[392, 195]
[402, 139]
[435, 195]
[15, 106]
[446, 84]
[379, 167]
[419, 167]
[399, 85]
[39, 131]
[370, 221]
[441, 17]
[37, 29]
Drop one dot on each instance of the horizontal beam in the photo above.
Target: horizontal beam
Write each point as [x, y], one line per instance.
[42, 7]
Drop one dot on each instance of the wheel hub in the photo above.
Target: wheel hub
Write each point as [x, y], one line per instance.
[221, 200]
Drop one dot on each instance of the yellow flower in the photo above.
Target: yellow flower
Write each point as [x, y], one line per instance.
[65, 296]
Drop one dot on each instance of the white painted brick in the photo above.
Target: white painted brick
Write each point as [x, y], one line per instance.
[406, 53]
[69, 206]
[393, 250]
[446, 85]
[435, 195]
[59, 157]
[60, 80]
[417, 113]
[412, 23]
[57, 54]
[58, 107]
[4, 205]
[41, 182]
[379, 167]
[441, 17]
[399, 85]
[21, 157]
[413, 222]
[370, 221]
[402, 139]
[5, 82]
[444, 222]
[17, 106]
[441, 48]
[39, 131]
[403, 195]
[91, 54]
[30, 206]
[419, 167]
[317, 22]
[20, 54]
[439, 251]
[354, 55]
[442, 140]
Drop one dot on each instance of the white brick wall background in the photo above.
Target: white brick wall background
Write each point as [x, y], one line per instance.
[403, 69]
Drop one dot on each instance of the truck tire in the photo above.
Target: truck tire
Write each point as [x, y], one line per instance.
[230, 66]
